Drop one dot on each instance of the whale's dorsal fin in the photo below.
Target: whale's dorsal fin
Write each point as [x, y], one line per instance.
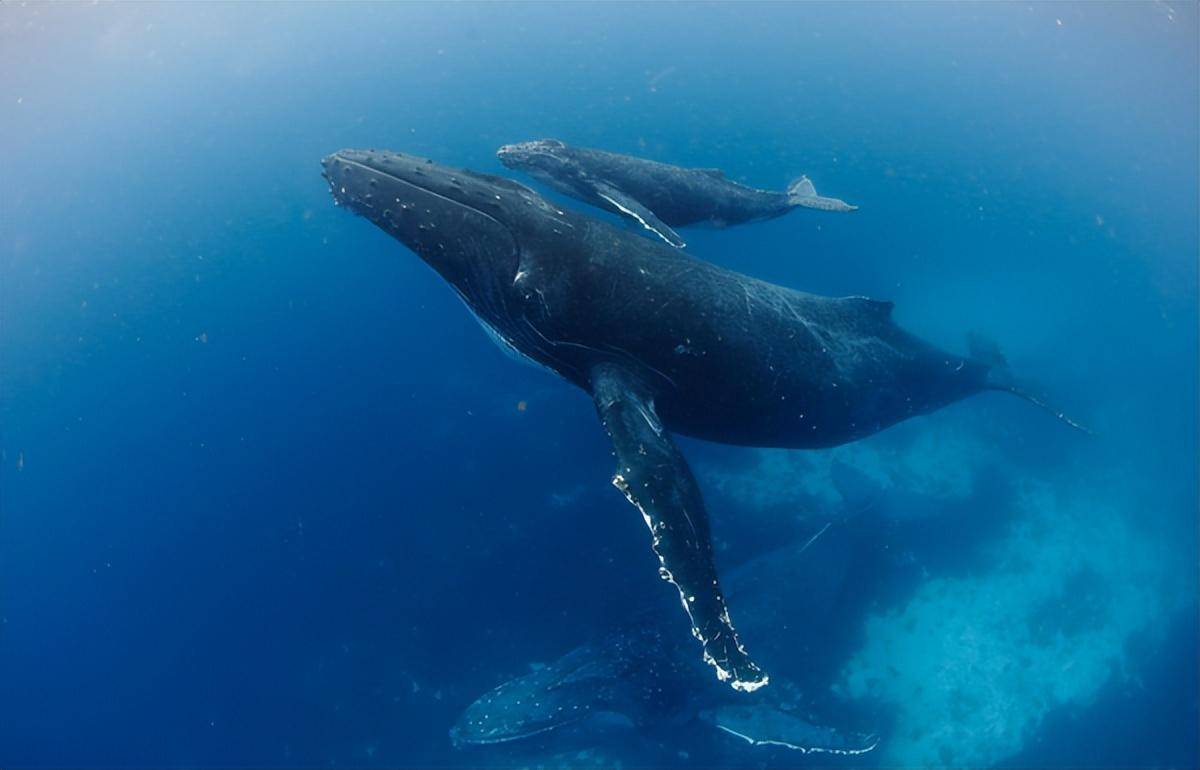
[630, 207]
[716, 173]
[880, 309]
[655, 478]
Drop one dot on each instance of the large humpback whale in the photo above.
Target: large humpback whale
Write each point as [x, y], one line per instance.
[656, 195]
[664, 343]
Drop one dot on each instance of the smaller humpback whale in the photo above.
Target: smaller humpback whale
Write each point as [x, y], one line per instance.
[640, 676]
[655, 195]
[664, 343]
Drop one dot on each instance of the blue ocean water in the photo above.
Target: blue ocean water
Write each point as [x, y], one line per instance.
[270, 498]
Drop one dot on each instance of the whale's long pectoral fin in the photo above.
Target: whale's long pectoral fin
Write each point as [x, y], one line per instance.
[653, 475]
[761, 724]
[630, 207]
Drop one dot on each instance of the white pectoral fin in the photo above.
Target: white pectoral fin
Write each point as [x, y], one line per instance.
[761, 724]
[655, 479]
[632, 208]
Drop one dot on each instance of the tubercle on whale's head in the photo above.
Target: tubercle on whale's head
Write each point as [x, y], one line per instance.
[464, 224]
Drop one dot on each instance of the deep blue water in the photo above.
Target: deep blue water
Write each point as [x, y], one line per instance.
[267, 496]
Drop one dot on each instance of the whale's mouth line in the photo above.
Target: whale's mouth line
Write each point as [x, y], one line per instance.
[426, 190]
[510, 737]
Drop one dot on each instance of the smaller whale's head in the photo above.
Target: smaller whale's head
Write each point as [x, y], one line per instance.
[546, 159]
[467, 226]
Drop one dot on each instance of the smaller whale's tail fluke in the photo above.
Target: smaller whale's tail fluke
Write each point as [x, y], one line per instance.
[802, 193]
[1000, 377]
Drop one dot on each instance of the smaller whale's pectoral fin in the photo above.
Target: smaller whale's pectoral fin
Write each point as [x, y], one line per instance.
[802, 193]
[656, 479]
[630, 207]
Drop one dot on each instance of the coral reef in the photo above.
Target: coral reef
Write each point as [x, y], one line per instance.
[971, 665]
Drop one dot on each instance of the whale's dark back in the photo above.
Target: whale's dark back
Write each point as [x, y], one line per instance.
[680, 196]
[732, 358]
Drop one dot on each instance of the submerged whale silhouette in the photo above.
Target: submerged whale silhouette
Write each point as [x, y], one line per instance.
[639, 676]
[664, 343]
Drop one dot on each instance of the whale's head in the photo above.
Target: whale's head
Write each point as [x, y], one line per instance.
[627, 679]
[545, 701]
[467, 226]
[548, 160]
[543, 153]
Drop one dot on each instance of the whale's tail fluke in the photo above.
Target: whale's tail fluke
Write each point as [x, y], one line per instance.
[802, 193]
[1000, 377]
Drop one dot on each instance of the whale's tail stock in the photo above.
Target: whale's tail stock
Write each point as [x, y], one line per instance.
[1000, 377]
[802, 193]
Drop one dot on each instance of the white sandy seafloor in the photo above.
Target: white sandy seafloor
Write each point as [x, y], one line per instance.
[972, 665]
